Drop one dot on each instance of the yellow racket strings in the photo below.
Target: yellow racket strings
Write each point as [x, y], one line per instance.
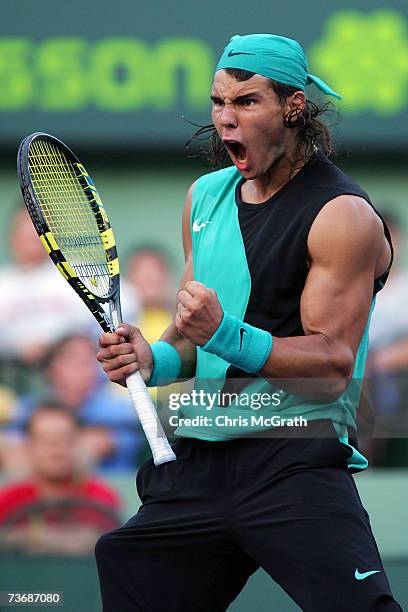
[68, 214]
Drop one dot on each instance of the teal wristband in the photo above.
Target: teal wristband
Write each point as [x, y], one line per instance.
[240, 344]
[166, 363]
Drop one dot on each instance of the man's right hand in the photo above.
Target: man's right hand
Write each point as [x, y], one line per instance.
[124, 352]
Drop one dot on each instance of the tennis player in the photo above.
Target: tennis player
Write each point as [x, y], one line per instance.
[284, 255]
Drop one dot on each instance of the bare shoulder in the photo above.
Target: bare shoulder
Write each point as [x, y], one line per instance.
[189, 198]
[347, 228]
[186, 232]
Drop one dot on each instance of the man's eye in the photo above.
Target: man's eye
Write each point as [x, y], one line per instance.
[248, 102]
[217, 102]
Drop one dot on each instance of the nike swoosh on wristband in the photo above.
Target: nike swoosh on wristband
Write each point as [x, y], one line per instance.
[359, 576]
[232, 53]
[242, 331]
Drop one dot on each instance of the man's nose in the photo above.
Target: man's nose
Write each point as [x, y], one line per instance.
[229, 116]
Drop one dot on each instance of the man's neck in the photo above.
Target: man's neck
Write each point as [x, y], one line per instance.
[260, 189]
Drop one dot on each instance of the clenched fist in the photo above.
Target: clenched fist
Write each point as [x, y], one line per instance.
[124, 352]
[199, 312]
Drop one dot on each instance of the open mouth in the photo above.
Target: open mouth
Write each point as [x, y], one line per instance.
[237, 150]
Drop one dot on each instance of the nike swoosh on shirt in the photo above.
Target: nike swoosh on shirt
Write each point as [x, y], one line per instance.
[197, 226]
[365, 574]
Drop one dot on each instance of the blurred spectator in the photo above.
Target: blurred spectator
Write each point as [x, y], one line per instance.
[8, 414]
[110, 437]
[58, 509]
[8, 404]
[387, 363]
[37, 306]
[389, 323]
[148, 270]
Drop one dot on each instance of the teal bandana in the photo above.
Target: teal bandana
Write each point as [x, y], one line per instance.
[276, 57]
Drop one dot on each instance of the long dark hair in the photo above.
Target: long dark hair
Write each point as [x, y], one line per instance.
[313, 140]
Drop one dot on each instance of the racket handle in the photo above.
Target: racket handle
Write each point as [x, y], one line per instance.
[159, 444]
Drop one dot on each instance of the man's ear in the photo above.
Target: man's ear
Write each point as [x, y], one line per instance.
[297, 100]
[294, 107]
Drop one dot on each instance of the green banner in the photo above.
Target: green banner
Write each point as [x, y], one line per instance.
[124, 74]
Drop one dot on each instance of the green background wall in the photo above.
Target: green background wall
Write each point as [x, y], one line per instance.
[122, 74]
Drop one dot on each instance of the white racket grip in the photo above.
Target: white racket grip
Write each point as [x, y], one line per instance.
[159, 444]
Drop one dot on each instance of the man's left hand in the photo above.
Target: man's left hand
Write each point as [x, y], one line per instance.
[199, 312]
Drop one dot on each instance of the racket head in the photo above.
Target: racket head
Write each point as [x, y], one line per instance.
[70, 219]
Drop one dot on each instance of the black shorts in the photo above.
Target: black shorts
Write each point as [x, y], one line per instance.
[224, 509]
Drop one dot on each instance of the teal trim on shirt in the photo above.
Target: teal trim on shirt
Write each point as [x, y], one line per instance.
[219, 259]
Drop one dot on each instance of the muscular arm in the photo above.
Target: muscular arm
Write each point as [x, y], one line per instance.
[347, 251]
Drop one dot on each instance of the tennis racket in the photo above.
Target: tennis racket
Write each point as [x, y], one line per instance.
[73, 226]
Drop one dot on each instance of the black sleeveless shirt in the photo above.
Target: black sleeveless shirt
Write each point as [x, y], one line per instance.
[275, 236]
